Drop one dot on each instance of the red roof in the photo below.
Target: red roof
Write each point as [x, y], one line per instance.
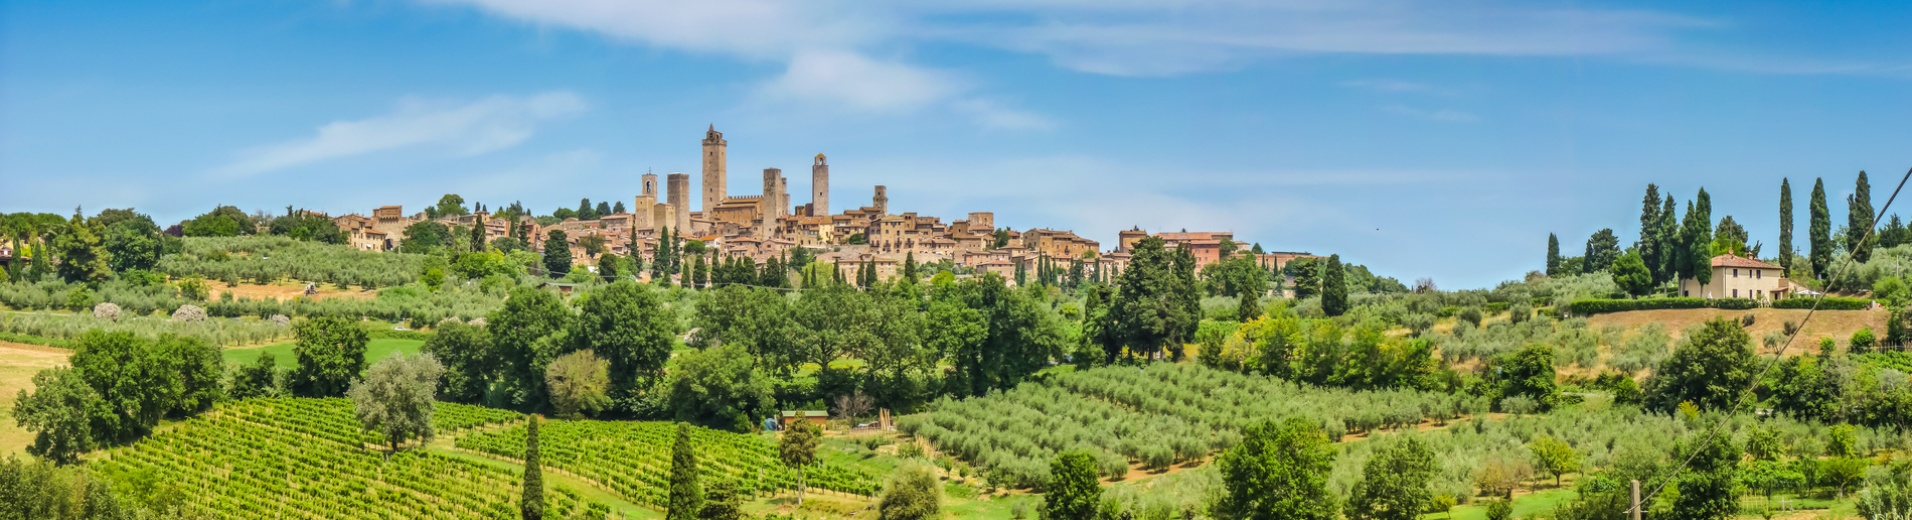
[1734, 261]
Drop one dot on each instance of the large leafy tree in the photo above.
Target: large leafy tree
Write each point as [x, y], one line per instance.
[1709, 368]
[450, 205]
[1073, 490]
[1278, 471]
[82, 259]
[1707, 485]
[686, 493]
[465, 351]
[425, 237]
[754, 318]
[557, 253]
[1307, 276]
[222, 221]
[397, 398]
[132, 243]
[720, 388]
[60, 412]
[1334, 288]
[1859, 220]
[1150, 312]
[1394, 483]
[628, 326]
[526, 334]
[1631, 274]
[1019, 338]
[1528, 372]
[331, 353]
[1819, 231]
[579, 384]
[1556, 457]
[140, 381]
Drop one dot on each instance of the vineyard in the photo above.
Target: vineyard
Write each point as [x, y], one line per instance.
[1158, 416]
[262, 259]
[306, 458]
[633, 459]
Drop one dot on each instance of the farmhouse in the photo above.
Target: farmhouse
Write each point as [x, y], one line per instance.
[1735, 277]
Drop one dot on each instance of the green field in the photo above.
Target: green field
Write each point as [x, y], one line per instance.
[282, 353]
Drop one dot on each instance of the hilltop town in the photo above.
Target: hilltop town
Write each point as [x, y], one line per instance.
[766, 225]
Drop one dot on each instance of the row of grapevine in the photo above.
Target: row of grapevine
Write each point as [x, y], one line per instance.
[632, 459]
[285, 458]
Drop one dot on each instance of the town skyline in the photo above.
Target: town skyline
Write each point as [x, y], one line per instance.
[1410, 149]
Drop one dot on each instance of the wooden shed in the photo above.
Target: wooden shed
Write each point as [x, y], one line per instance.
[816, 417]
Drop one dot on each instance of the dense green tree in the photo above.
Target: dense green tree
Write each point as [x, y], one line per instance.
[465, 351]
[1555, 456]
[1819, 231]
[1278, 471]
[686, 493]
[1707, 485]
[1696, 237]
[1709, 368]
[719, 388]
[60, 412]
[398, 397]
[1670, 251]
[259, 379]
[1894, 233]
[1073, 490]
[1649, 243]
[82, 259]
[531, 505]
[1019, 338]
[1859, 220]
[223, 221]
[1602, 249]
[557, 253]
[627, 325]
[1150, 312]
[425, 237]
[526, 334]
[141, 381]
[331, 353]
[1528, 372]
[1631, 274]
[1334, 288]
[1393, 485]
[132, 244]
[797, 449]
[912, 493]
[1553, 255]
[1785, 226]
[602, 210]
[1307, 276]
[579, 385]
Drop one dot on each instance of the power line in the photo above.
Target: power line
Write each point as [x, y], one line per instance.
[1777, 356]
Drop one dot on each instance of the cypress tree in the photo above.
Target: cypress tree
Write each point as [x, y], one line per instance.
[1019, 276]
[1785, 226]
[532, 505]
[909, 266]
[1702, 243]
[1553, 255]
[1859, 220]
[687, 496]
[1649, 243]
[1819, 230]
[1334, 288]
[697, 272]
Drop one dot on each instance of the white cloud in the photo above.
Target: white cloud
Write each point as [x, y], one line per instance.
[994, 115]
[1390, 85]
[1444, 115]
[856, 82]
[479, 127]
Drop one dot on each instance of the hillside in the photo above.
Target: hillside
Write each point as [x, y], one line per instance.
[1838, 325]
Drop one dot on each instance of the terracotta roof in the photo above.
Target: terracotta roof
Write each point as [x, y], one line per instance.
[1734, 261]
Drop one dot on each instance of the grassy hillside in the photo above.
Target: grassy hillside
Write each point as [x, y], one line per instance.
[375, 351]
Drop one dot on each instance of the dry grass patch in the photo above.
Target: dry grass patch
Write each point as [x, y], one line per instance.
[18, 363]
[1838, 325]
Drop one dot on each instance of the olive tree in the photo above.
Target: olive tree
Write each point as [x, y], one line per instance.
[397, 396]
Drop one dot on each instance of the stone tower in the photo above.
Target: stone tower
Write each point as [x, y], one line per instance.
[783, 196]
[820, 188]
[661, 215]
[645, 199]
[714, 168]
[881, 201]
[767, 206]
[678, 186]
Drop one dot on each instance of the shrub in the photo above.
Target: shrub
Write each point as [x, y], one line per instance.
[1827, 303]
[1471, 315]
[1736, 304]
[1862, 341]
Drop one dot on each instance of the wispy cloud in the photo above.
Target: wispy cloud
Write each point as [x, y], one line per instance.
[1444, 115]
[1394, 86]
[474, 128]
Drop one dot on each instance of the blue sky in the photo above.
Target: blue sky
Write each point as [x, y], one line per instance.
[1438, 139]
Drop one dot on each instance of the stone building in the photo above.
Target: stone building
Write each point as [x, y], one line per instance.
[819, 188]
[678, 187]
[1736, 277]
[645, 200]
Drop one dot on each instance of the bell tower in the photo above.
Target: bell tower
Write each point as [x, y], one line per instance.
[820, 188]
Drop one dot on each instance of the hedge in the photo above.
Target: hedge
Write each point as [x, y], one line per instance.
[1736, 304]
[1828, 303]
[1592, 307]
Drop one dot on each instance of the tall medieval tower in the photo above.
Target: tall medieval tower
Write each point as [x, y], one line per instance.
[767, 206]
[820, 188]
[678, 187]
[646, 199]
[714, 168]
[881, 200]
